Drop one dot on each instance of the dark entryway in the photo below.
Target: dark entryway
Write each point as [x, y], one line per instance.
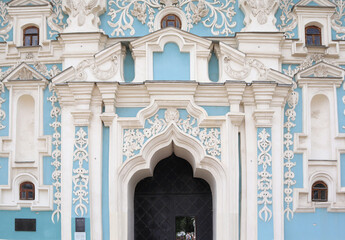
[170, 194]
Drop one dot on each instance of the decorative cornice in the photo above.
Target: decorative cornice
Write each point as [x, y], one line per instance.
[81, 118]
[263, 118]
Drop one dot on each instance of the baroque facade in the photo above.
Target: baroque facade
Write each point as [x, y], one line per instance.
[119, 117]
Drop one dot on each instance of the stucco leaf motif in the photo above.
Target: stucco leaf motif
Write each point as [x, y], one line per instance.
[261, 9]
[5, 23]
[249, 64]
[80, 176]
[134, 139]
[96, 70]
[288, 18]
[264, 176]
[338, 19]
[218, 16]
[56, 19]
[289, 175]
[55, 114]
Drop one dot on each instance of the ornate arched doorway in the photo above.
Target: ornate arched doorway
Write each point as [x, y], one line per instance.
[166, 202]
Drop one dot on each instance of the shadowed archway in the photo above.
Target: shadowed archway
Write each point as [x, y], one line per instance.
[172, 192]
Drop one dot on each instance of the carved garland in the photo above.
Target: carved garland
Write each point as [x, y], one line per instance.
[288, 18]
[56, 155]
[134, 139]
[219, 14]
[5, 24]
[338, 19]
[265, 177]
[248, 65]
[56, 19]
[288, 151]
[81, 175]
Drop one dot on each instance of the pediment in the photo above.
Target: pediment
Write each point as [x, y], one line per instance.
[22, 3]
[104, 66]
[171, 34]
[315, 3]
[321, 73]
[239, 67]
[23, 72]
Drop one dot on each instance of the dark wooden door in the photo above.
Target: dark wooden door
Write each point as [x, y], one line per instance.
[172, 192]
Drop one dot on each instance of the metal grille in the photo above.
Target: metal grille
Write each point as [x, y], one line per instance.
[171, 192]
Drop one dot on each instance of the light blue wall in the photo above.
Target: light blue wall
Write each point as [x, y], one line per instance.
[171, 64]
[127, 111]
[341, 107]
[105, 184]
[321, 225]
[278, 16]
[45, 228]
[5, 106]
[342, 170]
[213, 68]
[3, 171]
[265, 229]
[216, 110]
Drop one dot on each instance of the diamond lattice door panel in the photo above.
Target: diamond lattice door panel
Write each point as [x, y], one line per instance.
[172, 192]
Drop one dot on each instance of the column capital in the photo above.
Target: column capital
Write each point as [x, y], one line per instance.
[263, 118]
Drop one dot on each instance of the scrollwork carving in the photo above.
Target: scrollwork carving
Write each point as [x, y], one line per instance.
[289, 175]
[80, 175]
[134, 139]
[56, 19]
[265, 177]
[247, 67]
[338, 19]
[220, 15]
[288, 18]
[5, 23]
[55, 114]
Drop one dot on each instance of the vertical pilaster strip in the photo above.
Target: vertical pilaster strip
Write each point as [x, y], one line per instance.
[80, 178]
[264, 163]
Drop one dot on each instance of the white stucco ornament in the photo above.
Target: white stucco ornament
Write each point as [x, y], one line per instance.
[83, 15]
[259, 15]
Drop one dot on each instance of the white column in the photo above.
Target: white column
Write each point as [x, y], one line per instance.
[67, 145]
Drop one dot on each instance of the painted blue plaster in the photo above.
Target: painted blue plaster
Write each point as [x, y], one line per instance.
[61, 17]
[312, 4]
[128, 66]
[342, 21]
[342, 170]
[127, 111]
[49, 67]
[6, 107]
[200, 29]
[3, 171]
[171, 64]
[86, 213]
[10, 33]
[105, 184]
[45, 228]
[213, 68]
[216, 110]
[265, 229]
[278, 16]
[320, 225]
[341, 107]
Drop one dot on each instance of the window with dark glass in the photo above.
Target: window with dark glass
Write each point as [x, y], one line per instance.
[313, 36]
[27, 191]
[319, 192]
[31, 36]
[171, 20]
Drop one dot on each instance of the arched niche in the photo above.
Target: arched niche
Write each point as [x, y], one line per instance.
[171, 141]
[25, 130]
[321, 147]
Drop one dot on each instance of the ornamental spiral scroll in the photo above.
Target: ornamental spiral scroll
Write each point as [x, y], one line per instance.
[81, 175]
[288, 18]
[219, 16]
[337, 19]
[265, 177]
[2, 100]
[56, 21]
[289, 175]
[5, 23]
[55, 114]
[134, 139]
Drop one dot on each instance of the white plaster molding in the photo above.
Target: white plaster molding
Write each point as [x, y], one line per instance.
[259, 15]
[83, 16]
[10, 195]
